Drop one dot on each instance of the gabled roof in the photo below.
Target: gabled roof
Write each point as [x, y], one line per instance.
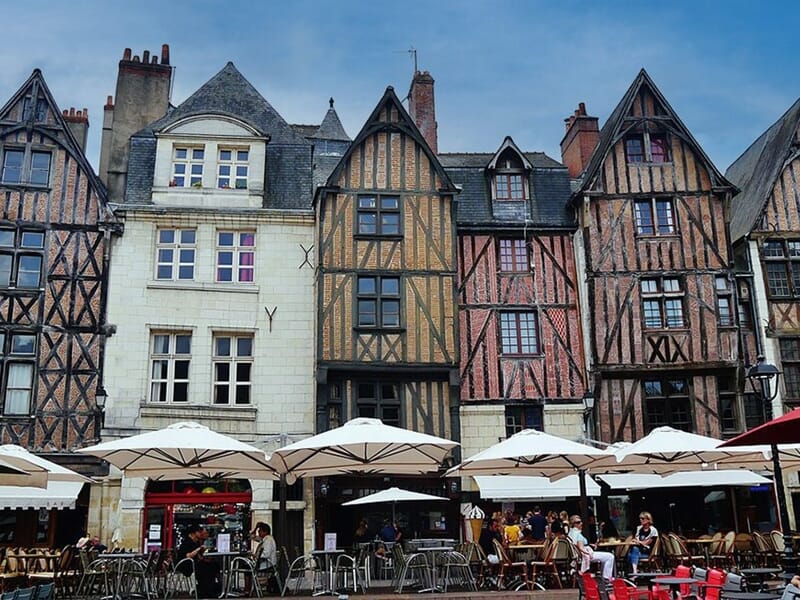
[614, 129]
[228, 93]
[508, 143]
[68, 142]
[757, 169]
[405, 124]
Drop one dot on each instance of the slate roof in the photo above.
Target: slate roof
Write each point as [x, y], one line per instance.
[289, 155]
[331, 127]
[757, 169]
[548, 183]
[612, 130]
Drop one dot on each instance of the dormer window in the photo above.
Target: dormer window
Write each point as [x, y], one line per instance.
[187, 167]
[509, 178]
[647, 148]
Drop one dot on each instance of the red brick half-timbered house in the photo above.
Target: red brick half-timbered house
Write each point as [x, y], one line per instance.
[387, 342]
[53, 274]
[522, 363]
[660, 301]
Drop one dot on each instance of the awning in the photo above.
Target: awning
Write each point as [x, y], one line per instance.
[710, 478]
[57, 494]
[519, 487]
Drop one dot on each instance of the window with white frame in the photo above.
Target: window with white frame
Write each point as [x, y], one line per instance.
[662, 303]
[724, 291]
[23, 167]
[233, 367]
[175, 254]
[187, 166]
[232, 168]
[509, 177]
[170, 358]
[655, 216]
[21, 258]
[19, 366]
[236, 253]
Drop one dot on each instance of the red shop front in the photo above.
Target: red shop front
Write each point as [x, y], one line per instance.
[222, 507]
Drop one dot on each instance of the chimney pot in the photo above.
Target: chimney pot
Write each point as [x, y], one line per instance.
[146, 56]
[109, 101]
[126, 55]
[422, 108]
[71, 111]
[582, 108]
[136, 58]
[580, 140]
[165, 54]
[65, 112]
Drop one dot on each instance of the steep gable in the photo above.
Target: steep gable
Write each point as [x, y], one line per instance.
[642, 108]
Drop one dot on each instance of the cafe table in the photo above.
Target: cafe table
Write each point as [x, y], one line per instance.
[433, 552]
[704, 545]
[118, 559]
[327, 557]
[739, 595]
[225, 559]
[675, 583]
[529, 550]
[759, 573]
[648, 577]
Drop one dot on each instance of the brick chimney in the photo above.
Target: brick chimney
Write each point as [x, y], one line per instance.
[78, 122]
[579, 141]
[142, 96]
[422, 108]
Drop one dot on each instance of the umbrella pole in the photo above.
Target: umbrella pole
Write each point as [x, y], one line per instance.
[282, 517]
[584, 504]
[789, 560]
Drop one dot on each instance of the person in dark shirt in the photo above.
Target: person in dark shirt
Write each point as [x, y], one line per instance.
[206, 571]
[538, 524]
[492, 531]
[388, 532]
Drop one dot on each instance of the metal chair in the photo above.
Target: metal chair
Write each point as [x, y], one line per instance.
[180, 577]
[456, 571]
[346, 574]
[297, 573]
[241, 571]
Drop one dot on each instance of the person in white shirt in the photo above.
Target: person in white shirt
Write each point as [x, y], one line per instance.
[643, 540]
[267, 551]
[588, 554]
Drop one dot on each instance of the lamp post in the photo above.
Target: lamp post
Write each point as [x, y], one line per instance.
[100, 397]
[588, 408]
[764, 380]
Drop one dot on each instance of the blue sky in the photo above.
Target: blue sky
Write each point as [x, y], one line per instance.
[501, 68]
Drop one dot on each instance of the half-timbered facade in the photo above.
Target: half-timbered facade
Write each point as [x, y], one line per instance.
[659, 288]
[765, 232]
[54, 236]
[521, 350]
[386, 320]
[214, 294]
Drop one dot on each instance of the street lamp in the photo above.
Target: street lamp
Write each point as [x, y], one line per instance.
[100, 397]
[764, 380]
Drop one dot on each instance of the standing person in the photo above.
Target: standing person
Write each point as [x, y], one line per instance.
[643, 540]
[388, 533]
[563, 516]
[588, 553]
[362, 533]
[553, 524]
[511, 532]
[538, 524]
[206, 571]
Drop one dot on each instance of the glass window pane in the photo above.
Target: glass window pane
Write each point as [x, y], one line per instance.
[188, 236]
[180, 392]
[390, 286]
[5, 270]
[243, 372]
[28, 274]
[221, 393]
[32, 239]
[160, 369]
[367, 223]
[166, 236]
[224, 154]
[23, 344]
[367, 202]
[242, 394]
[244, 346]
[242, 155]
[180, 152]
[160, 344]
[366, 285]
[181, 369]
[223, 346]
[225, 238]
[7, 238]
[197, 153]
[222, 372]
[183, 344]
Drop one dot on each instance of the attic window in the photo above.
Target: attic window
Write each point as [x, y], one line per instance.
[647, 148]
[509, 178]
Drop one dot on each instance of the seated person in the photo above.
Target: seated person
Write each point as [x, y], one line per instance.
[388, 533]
[589, 554]
[206, 571]
[643, 540]
[792, 590]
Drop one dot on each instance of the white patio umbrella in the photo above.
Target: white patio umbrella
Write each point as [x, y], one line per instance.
[14, 475]
[364, 446]
[666, 450]
[393, 495]
[40, 471]
[184, 450]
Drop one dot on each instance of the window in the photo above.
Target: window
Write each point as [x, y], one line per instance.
[790, 364]
[647, 148]
[379, 215]
[782, 258]
[236, 253]
[728, 411]
[379, 401]
[41, 109]
[233, 367]
[754, 414]
[19, 365]
[232, 168]
[378, 301]
[667, 403]
[662, 303]
[335, 402]
[33, 169]
[21, 256]
[724, 301]
[514, 256]
[509, 177]
[523, 417]
[654, 216]
[187, 167]
[519, 333]
[170, 356]
[175, 254]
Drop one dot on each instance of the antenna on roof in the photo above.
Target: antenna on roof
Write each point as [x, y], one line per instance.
[413, 52]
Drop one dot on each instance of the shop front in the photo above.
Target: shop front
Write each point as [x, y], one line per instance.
[221, 507]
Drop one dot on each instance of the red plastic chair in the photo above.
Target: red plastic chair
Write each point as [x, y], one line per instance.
[590, 589]
[713, 584]
[625, 590]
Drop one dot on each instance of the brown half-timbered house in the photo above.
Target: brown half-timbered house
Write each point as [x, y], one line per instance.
[659, 297]
[53, 283]
[522, 362]
[386, 322]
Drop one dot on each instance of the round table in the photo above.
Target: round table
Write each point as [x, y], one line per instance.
[760, 573]
[675, 583]
[647, 578]
[734, 595]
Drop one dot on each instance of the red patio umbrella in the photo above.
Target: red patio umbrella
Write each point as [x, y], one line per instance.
[783, 430]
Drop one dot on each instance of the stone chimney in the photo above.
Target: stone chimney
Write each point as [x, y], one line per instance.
[580, 140]
[78, 123]
[142, 96]
[422, 108]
